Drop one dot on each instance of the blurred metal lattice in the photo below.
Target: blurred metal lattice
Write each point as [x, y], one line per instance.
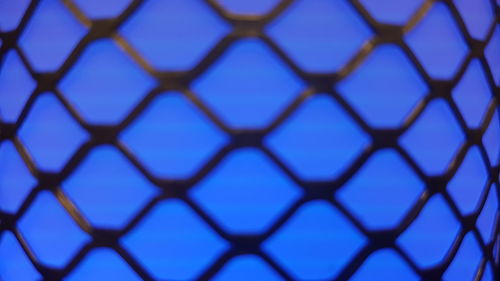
[325, 83]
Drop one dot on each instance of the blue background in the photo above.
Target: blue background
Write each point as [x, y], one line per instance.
[316, 187]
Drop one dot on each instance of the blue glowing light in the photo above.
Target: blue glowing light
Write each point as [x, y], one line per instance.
[249, 139]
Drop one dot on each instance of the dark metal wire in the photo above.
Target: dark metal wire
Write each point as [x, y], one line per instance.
[252, 26]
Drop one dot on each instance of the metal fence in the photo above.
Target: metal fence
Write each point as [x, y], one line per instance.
[315, 83]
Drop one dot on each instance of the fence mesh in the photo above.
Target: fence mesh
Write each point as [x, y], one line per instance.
[253, 133]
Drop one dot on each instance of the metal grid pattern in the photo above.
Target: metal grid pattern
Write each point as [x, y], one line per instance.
[253, 26]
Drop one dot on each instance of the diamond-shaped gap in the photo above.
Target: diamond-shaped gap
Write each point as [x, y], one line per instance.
[472, 94]
[16, 85]
[434, 138]
[319, 140]
[430, 236]
[392, 11]
[478, 16]
[486, 219]
[15, 179]
[245, 193]
[11, 13]
[492, 54]
[320, 35]
[105, 84]
[246, 268]
[174, 34]
[466, 262]
[437, 43]
[107, 188]
[384, 98]
[14, 264]
[172, 242]
[382, 192]
[50, 134]
[96, 9]
[50, 232]
[102, 264]
[491, 139]
[248, 86]
[315, 243]
[385, 264]
[255, 7]
[50, 35]
[469, 181]
[173, 138]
